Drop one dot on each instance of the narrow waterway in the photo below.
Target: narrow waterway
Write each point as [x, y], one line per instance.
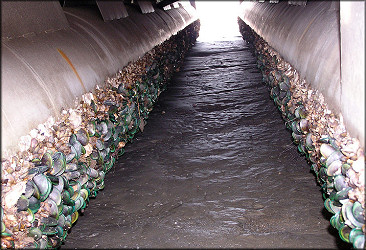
[214, 168]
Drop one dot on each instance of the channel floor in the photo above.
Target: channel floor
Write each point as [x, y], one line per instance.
[214, 168]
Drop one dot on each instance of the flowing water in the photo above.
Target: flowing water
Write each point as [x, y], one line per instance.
[215, 167]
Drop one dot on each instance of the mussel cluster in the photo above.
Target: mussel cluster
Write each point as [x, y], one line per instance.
[63, 162]
[336, 158]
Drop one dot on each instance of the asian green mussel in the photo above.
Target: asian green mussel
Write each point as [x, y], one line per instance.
[336, 158]
[63, 162]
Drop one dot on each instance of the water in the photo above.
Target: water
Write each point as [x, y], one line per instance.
[214, 168]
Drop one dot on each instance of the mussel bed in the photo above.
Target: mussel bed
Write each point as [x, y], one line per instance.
[62, 163]
[335, 157]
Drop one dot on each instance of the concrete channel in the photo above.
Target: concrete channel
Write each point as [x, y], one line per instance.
[119, 130]
[215, 168]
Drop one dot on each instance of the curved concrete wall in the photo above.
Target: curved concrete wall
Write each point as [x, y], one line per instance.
[308, 37]
[47, 70]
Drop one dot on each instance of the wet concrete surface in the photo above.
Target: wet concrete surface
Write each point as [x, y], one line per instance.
[214, 168]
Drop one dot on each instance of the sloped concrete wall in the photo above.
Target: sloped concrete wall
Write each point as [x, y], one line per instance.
[61, 53]
[309, 37]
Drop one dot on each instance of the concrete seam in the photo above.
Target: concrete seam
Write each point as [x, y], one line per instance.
[39, 79]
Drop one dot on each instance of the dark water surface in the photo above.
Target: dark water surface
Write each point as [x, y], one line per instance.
[214, 168]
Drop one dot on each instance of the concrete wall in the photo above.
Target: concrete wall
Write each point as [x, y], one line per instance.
[352, 17]
[52, 55]
[309, 37]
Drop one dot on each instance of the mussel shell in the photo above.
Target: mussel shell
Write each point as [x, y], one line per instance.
[36, 233]
[41, 243]
[71, 167]
[301, 148]
[36, 161]
[67, 210]
[101, 177]
[91, 128]
[303, 125]
[282, 95]
[29, 189]
[61, 232]
[75, 152]
[77, 149]
[47, 159]
[294, 127]
[100, 186]
[22, 203]
[103, 128]
[38, 169]
[104, 154]
[54, 241]
[345, 167]
[83, 179]
[72, 139]
[336, 221]
[326, 150]
[128, 119]
[344, 232]
[53, 209]
[348, 216]
[342, 195]
[34, 204]
[60, 208]
[66, 198]
[340, 182]
[309, 142]
[117, 131]
[328, 204]
[43, 184]
[79, 203]
[59, 164]
[335, 156]
[82, 168]
[300, 112]
[55, 195]
[70, 157]
[71, 175]
[82, 136]
[99, 144]
[70, 189]
[284, 86]
[49, 221]
[49, 230]
[359, 242]
[30, 216]
[68, 223]
[60, 185]
[76, 186]
[108, 135]
[334, 168]
[6, 232]
[355, 232]
[121, 152]
[358, 212]
[323, 174]
[277, 75]
[92, 173]
[91, 185]
[61, 220]
[84, 193]
[74, 217]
